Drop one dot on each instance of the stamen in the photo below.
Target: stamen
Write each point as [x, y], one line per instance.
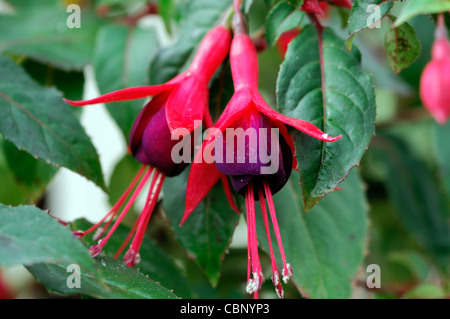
[275, 276]
[148, 210]
[287, 270]
[118, 204]
[138, 220]
[127, 206]
[95, 249]
[258, 277]
[131, 258]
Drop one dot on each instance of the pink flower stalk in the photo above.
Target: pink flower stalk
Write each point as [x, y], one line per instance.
[435, 79]
[172, 112]
[248, 109]
[186, 95]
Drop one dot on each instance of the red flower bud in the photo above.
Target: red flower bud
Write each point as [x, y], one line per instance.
[435, 79]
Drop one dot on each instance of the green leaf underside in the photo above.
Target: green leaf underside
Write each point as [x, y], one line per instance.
[412, 8]
[208, 231]
[363, 16]
[29, 236]
[348, 109]
[402, 46]
[118, 281]
[200, 17]
[37, 120]
[121, 61]
[325, 246]
[283, 17]
[39, 30]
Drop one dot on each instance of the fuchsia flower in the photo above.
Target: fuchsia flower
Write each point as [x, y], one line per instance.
[174, 110]
[313, 6]
[285, 39]
[435, 79]
[248, 109]
[186, 95]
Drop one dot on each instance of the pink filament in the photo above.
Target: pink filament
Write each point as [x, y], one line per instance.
[275, 222]
[118, 204]
[127, 206]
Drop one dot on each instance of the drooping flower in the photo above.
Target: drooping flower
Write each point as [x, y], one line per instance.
[186, 95]
[314, 6]
[174, 111]
[248, 110]
[284, 40]
[435, 79]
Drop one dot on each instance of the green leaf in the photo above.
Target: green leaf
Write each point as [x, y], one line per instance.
[442, 132]
[11, 193]
[342, 102]
[426, 291]
[154, 262]
[416, 197]
[283, 17]
[325, 246]
[121, 61]
[366, 14]
[29, 236]
[32, 174]
[416, 7]
[70, 83]
[39, 30]
[208, 231]
[117, 281]
[199, 18]
[37, 120]
[402, 46]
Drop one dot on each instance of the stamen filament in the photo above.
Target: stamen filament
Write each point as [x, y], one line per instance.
[151, 203]
[275, 278]
[287, 270]
[127, 206]
[118, 204]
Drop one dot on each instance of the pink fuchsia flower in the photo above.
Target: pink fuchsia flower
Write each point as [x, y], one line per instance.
[175, 110]
[248, 109]
[284, 40]
[186, 95]
[435, 79]
[314, 6]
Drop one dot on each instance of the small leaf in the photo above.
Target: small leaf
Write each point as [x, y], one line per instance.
[121, 61]
[37, 120]
[117, 281]
[325, 246]
[333, 93]
[416, 7]
[283, 17]
[366, 14]
[208, 231]
[402, 46]
[29, 236]
[200, 16]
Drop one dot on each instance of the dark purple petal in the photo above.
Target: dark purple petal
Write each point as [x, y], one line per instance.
[151, 142]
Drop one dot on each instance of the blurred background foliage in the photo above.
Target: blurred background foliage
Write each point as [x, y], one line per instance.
[405, 171]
